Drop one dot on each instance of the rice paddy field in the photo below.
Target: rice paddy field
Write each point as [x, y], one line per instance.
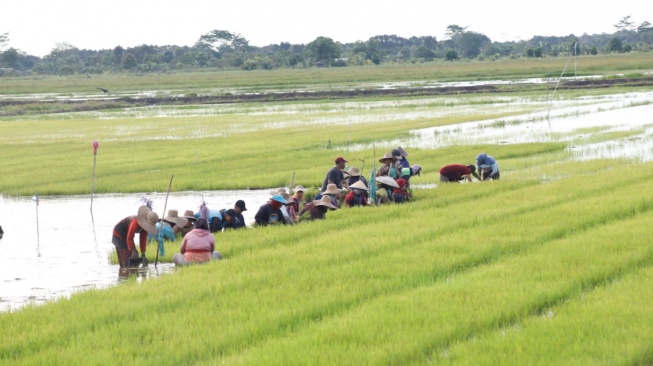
[552, 264]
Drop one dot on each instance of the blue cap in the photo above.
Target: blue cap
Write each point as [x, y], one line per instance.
[279, 198]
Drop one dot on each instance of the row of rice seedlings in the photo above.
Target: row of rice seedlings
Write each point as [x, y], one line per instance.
[401, 326]
[609, 323]
[295, 291]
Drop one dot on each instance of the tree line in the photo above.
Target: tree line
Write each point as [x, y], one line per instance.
[223, 49]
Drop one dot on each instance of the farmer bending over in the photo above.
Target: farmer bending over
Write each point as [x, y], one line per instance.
[125, 231]
[270, 213]
[457, 173]
[487, 167]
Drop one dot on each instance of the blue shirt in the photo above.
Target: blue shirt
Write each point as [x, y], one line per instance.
[484, 161]
[166, 232]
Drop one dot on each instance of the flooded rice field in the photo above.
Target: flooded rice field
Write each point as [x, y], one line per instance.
[579, 124]
[57, 248]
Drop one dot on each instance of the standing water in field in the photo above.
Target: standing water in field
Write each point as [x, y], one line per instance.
[57, 248]
[589, 126]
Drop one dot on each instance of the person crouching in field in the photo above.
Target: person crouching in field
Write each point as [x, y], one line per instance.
[333, 192]
[270, 213]
[167, 227]
[239, 207]
[181, 231]
[357, 196]
[198, 246]
[487, 167]
[317, 209]
[125, 231]
[400, 194]
[457, 173]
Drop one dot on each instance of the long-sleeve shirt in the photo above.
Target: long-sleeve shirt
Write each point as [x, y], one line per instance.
[125, 231]
[486, 162]
[198, 245]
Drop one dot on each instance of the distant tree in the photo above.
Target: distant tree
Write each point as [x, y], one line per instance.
[128, 61]
[538, 52]
[324, 49]
[593, 51]
[10, 58]
[615, 45]
[530, 53]
[4, 40]
[470, 43]
[376, 59]
[625, 24]
[168, 56]
[451, 55]
[117, 55]
[645, 27]
[66, 70]
[453, 30]
[223, 41]
[293, 61]
[405, 53]
[424, 53]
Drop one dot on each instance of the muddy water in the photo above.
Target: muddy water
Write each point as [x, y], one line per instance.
[57, 248]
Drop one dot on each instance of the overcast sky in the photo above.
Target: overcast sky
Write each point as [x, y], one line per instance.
[36, 26]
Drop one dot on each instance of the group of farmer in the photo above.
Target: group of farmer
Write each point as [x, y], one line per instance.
[486, 166]
[196, 229]
[342, 186]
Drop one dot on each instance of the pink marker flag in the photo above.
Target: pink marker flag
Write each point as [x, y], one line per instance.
[95, 146]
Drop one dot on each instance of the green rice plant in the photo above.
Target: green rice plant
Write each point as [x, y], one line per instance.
[130, 156]
[390, 284]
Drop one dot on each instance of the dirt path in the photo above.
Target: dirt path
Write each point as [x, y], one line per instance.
[25, 107]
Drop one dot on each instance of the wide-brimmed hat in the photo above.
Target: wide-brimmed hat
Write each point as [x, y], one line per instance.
[354, 172]
[300, 189]
[147, 220]
[286, 197]
[241, 205]
[278, 191]
[417, 170]
[190, 215]
[388, 156]
[388, 181]
[173, 216]
[402, 152]
[279, 198]
[325, 201]
[332, 189]
[359, 185]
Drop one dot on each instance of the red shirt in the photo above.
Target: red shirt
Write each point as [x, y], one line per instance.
[455, 171]
[402, 186]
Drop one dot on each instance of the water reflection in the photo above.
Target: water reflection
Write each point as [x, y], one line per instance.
[69, 249]
[564, 121]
